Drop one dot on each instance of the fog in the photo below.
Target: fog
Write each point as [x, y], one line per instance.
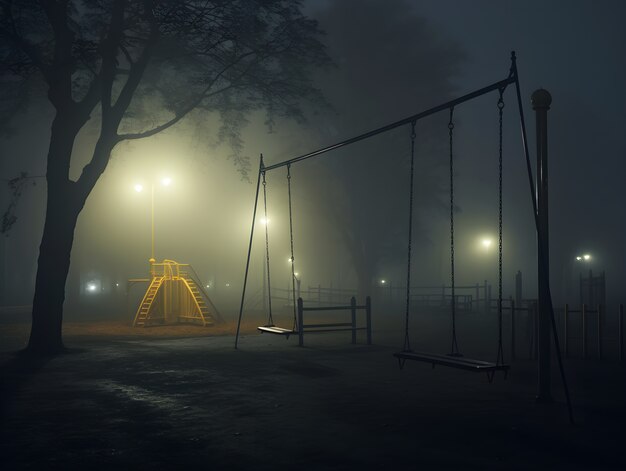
[350, 207]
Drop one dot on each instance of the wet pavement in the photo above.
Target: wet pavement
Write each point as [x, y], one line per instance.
[158, 403]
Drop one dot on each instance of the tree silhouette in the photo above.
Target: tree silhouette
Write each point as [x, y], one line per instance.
[127, 65]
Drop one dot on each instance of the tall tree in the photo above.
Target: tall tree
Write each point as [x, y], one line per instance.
[128, 64]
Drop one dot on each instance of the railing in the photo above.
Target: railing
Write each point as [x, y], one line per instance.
[587, 315]
[336, 326]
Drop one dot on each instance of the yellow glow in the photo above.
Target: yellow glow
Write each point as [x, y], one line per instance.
[138, 188]
[587, 256]
[486, 243]
[579, 258]
[265, 221]
[382, 282]
[167, 181]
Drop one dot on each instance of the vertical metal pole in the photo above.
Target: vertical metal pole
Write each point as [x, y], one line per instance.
[620, 333]
[477, 296]
[599, 331]
[584, 331]
[518, 288]
[489, 300]
[512, 329]
[353, 317]
[300, 322]
[368, 319]
[152, 221]
[535, 331]
[565, 333]
[541, 101]
[245, 279]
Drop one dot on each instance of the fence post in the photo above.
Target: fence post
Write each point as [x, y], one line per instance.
[584, 331]
[518, 288]
[512, 329]
[477, 297]
[368, 319]
[353, 315]
[599, 331]
[565, 342]
[300, 322]
[620, 333]
[486, 300]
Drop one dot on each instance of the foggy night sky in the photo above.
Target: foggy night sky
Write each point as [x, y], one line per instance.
[393, 59]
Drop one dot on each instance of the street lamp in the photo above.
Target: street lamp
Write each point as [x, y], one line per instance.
[167, 181]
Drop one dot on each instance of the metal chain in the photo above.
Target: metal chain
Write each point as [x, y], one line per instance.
[270, 320]
[454, 348]
[500, 113]
[407, 343]
[293, 271]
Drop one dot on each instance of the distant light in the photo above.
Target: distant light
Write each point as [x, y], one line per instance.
[208, 286]
[167, 181]
[382, 282]
[227, 285]
[486, 243]
[138, 188]
[91, 287]
[265, 221]
[295, 274]
[579, 258]
[289, 260]
[117, 284]
[587, 256]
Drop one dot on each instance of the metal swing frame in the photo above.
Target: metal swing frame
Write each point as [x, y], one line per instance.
[542, 236]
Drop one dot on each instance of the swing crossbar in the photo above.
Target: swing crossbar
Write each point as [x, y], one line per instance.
[451, 361]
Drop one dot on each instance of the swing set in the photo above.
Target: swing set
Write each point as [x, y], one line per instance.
[453, 358]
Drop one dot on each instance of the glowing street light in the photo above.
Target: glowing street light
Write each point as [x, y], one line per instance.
[583, 258]
[486, 243]
[382, 282]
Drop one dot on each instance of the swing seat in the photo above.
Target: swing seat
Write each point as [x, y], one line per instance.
[272, 329]
[451, 361]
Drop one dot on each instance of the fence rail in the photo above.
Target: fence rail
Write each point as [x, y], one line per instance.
[336, 326]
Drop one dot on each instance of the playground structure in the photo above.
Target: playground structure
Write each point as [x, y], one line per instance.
[175, 295]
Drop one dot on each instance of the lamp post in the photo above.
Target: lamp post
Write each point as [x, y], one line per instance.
[139, 188]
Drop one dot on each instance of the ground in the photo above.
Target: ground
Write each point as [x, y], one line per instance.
[173, 397]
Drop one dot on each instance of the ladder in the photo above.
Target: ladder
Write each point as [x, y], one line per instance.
[147, 301]
[203, 310]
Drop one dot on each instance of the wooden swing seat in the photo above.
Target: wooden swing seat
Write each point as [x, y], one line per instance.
[451, 361]
[272, 329]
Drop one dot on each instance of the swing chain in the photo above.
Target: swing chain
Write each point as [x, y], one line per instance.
[407, 343]
[454, 347]
[500, 356]
[270, 320]
[293, 272]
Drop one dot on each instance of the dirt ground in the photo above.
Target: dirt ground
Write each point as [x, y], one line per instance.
[175, 397]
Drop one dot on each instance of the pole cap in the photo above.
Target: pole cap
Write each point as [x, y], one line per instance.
[541, 99]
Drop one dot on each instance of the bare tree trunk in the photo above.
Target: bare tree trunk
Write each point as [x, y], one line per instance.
[53, 266]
